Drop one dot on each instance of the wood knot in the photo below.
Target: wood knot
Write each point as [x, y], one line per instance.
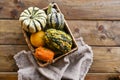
[109, 50]
[101, 28]
[1, 8]
[14, 13]
[10, 57]
[19, 3]
[102, 36]
[76, 30]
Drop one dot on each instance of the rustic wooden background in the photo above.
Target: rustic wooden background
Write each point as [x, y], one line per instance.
[97, 21]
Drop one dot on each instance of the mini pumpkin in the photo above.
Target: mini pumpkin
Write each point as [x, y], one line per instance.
[38, 39]
[44, 54]
[33, 19]
[55, 19]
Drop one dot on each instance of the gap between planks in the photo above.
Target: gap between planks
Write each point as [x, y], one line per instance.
[89, 76]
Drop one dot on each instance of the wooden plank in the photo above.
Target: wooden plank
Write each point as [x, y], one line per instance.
[8, 76]
[89, 76]
[102, 76]
[11, 38]
[101, 33]
[79, 9]
[107, 56]
[7, 52]
[10, 32]
[106, 59]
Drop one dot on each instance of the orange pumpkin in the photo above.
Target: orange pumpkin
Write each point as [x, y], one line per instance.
[44, 54]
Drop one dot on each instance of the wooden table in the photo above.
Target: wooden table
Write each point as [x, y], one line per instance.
[97, 21]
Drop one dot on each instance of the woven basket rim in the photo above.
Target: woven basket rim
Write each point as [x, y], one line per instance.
[54, 60]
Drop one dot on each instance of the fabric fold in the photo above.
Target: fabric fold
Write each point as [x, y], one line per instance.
[72, 67]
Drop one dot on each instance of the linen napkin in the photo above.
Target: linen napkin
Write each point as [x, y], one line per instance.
[72, 67]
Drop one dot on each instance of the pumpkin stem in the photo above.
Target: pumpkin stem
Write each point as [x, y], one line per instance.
[50, 8]
[31, 17]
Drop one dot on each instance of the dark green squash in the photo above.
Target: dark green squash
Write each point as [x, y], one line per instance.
[55, 19]
[58, 40]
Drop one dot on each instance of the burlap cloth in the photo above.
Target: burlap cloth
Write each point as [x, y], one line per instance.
[72, 67]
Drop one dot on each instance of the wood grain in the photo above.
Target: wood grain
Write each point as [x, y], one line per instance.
[102, 76]
[10, 32]
[7, 63]
[106, 59]
[79, 9]
[101, 33]
[91, 31]
[85, 18]
[107, 56]
[8, 76]
[89, 76]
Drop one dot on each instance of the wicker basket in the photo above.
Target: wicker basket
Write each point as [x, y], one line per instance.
[67, 30]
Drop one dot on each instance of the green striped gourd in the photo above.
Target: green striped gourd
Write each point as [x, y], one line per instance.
[58, 40]
[33, 19]
[55, 19]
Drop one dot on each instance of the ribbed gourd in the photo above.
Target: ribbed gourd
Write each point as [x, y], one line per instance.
[55, 19]
[33, 19]
[58, 40]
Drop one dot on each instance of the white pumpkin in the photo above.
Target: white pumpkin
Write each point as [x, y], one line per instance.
[33, 19]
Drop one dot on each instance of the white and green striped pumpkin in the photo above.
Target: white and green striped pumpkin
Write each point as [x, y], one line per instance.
[33, 19]
[55, 19]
